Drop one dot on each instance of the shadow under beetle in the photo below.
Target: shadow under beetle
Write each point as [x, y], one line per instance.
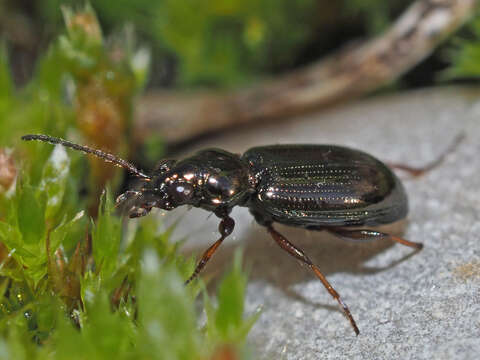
[316, 187]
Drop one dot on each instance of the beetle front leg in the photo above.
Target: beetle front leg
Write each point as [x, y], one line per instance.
[365, 235]
[225, 228]
[300, 255]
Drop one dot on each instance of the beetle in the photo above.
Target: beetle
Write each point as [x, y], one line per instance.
[316, 187]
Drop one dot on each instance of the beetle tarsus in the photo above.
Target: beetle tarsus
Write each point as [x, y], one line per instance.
[300, 255]
[412, 244]
[419, 171]
[225, 228]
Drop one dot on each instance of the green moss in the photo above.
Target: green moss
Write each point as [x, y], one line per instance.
[464, 53]
[74, 286]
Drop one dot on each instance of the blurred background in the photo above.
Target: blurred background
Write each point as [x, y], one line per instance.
[204, 67]
[217, 44]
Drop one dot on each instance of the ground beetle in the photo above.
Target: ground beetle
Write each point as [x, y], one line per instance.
[316, 187]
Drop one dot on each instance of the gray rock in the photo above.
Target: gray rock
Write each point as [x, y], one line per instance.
[408, 305]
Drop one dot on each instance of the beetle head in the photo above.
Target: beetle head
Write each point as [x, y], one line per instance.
[211, 179]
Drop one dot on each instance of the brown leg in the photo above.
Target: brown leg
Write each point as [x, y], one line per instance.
[364, 235]
[300, 255]
[225, 228]
[418, 171]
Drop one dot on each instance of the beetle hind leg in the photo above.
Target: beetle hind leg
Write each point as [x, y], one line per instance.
[300, 255]
[419, 171]
[365, 235]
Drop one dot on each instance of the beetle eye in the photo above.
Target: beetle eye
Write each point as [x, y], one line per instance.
[219, 185]
[181, 192]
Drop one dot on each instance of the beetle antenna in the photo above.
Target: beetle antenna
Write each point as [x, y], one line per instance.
[98, 153]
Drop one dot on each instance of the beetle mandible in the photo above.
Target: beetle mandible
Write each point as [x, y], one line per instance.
[316, 187]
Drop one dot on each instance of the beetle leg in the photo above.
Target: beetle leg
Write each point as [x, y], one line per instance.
[419, 171]
[125, 196]
[365, 235]
[300, 255]
[225, 228]
[411, 170]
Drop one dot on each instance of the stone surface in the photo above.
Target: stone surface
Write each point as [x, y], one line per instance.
[408, 305]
